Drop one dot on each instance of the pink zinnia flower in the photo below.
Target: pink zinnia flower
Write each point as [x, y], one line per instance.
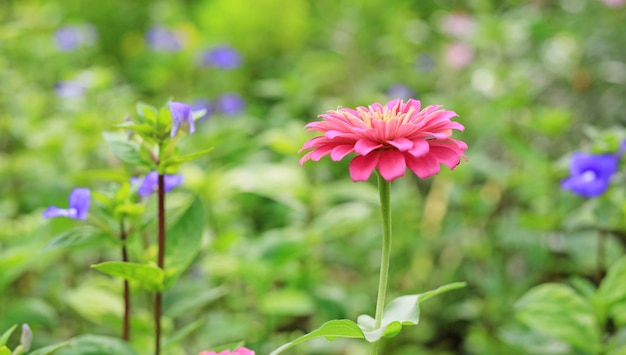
[238, 351]
[391, 137]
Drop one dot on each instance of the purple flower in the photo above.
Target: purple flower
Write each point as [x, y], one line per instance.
[69, 89]
[181, 114]
[230, 104]
[79, 206]
[69, 38]
[222, 57]
[401, 91]
[160, 39]
[590, 174]
[202, 104]
[150, 183]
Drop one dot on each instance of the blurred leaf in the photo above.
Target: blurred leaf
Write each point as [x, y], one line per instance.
[7, 334]
[146, 111]
[183, 241]
[4, 350]
[149, 277]
[95, 303]
[181, 334]
[287, 303]
[126, 151]
[557, 310]
[612, 290]
[51, 349]
[80, 235]
[97, 345]
[184, 158]
[192, 301]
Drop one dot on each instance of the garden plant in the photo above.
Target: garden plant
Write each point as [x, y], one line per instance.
[208, 177]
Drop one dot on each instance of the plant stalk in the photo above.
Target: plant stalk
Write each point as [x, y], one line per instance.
[158, 299]
[126, 322]
[385, 210]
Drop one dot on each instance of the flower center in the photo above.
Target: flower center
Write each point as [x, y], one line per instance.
[588, 176]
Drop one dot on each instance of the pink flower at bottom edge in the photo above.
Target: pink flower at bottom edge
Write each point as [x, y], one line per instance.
[391, 138]
[238, 351]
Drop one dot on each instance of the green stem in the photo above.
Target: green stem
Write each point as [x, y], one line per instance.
[385, 210]
[126, 321]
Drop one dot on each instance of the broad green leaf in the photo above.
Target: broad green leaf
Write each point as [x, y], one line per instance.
[51, 349]
[182, 334]
[183, 241]
[612, 288]
[401, 311]
[558, 311]
[96, 303]
[80, 235]
[4, 350]
[337, 328]
[149, 277]
[97, 345]
[192, 301]
[7, 334]
[126, 151]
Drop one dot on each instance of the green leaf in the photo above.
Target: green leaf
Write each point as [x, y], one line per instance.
[337, 328]
[98, 345]
[146, 111]
[183, 241]
[126, 151]
[401, 311]
[182, 334]
[184, 158]
[612, 290]
[80, 235]
[49, 349]
[558, 311]
[6, 335]
[4, 350]
[149, 277]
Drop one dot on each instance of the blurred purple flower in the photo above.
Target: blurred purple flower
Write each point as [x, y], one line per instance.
[181, 114]
[202, 104]
[400, 91]
[590, 174]
[425, 63]
[78, 206]
[69, 38]
[614, 3]
[160, 39]
[222, 57]
[69, 89]
[150, 183]
[230, 104]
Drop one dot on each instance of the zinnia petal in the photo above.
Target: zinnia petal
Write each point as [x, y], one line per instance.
[365, 146]
[402, 144]
[392, 164]
[341, 151]
[361, 167]
[424, 167]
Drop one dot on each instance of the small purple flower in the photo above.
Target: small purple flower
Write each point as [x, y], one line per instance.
[202, 104]
[69, 89]
[230, 104]
[69, 38]
[150, 183]
[79, 206]
[181, 114]
[160, 39]
[222, 57]
[400, 91]
[590, 174]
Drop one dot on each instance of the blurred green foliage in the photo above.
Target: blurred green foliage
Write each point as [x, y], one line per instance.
[285, 248]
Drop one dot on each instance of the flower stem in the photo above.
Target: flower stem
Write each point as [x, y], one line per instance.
[126, 322]
[385, 210]
[158, 299]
